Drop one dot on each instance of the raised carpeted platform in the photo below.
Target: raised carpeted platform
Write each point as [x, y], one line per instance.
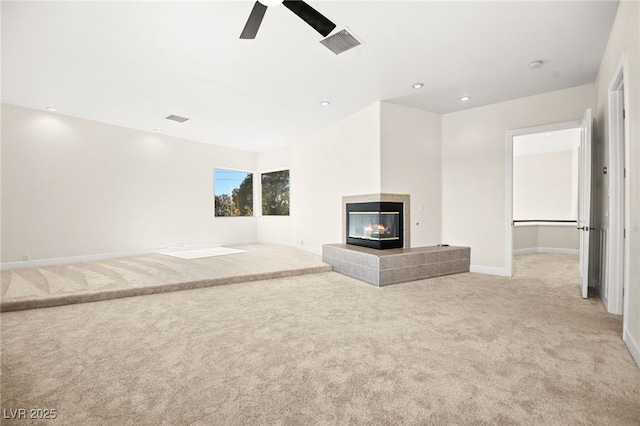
[136, 276]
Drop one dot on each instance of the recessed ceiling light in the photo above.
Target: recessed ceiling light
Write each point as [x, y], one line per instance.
[535, 64]
[325, 103]
[158, 130]
[52, 109]
[418, 85]
[549, 134]
[465, 98]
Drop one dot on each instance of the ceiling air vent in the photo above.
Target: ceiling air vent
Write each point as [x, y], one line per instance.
[176, 118]
[341, 42]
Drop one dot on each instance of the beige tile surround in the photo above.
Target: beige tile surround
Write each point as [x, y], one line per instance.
[385, 267]
[398, 198]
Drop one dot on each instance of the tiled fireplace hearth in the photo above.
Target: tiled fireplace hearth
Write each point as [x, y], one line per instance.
[384, 267]
[366, 255]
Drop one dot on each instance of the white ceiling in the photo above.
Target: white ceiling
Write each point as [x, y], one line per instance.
[133, 63]
[546, 142]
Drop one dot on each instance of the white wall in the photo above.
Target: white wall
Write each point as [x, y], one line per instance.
[73, 187]
[473, 167]
[543, 186]
[625, 38]
[546, 239]
[411, 164]
[385, 148]
[88, 188]
[343, 159]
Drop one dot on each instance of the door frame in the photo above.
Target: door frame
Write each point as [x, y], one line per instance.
[510, 135]
[618, 207]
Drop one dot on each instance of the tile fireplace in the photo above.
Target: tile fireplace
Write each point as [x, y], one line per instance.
[373, 223]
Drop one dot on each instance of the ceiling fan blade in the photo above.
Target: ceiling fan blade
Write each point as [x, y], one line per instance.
[310, 16]
[253, 23]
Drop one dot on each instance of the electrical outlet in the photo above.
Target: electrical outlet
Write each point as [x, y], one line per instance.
[26, 257]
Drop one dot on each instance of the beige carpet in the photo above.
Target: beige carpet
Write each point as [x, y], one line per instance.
[326, 349]
[135, 276]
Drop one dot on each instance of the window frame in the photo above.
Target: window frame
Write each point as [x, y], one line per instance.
[261, 192]
[253, 190]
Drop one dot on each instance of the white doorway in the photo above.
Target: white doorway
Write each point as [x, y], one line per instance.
[560, 221]
[616, 218]
[545, 192]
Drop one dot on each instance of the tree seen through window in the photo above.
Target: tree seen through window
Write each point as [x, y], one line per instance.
[275, 193]
[233, 193]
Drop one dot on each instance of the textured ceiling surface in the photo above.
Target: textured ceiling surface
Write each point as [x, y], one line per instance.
[133, 63]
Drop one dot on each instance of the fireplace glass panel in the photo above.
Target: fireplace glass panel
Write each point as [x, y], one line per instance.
[376, 226]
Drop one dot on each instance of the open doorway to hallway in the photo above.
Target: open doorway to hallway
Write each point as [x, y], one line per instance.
[545, 174]
[542, 191]
[545, 192]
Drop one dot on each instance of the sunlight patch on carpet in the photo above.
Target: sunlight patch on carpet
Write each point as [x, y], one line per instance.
[197, 254]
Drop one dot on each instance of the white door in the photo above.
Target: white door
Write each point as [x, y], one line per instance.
[584, 200]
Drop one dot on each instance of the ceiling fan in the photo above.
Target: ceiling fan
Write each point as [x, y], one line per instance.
[300, 8]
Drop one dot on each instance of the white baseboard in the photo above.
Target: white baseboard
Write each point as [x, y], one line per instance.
[39, 263]
[532, 250]
[489, 270]
[633, 346]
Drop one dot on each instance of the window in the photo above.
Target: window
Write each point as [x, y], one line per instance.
[233, 193]
[275, 193]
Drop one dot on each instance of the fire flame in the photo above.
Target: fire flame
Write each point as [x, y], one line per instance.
[375, 229]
